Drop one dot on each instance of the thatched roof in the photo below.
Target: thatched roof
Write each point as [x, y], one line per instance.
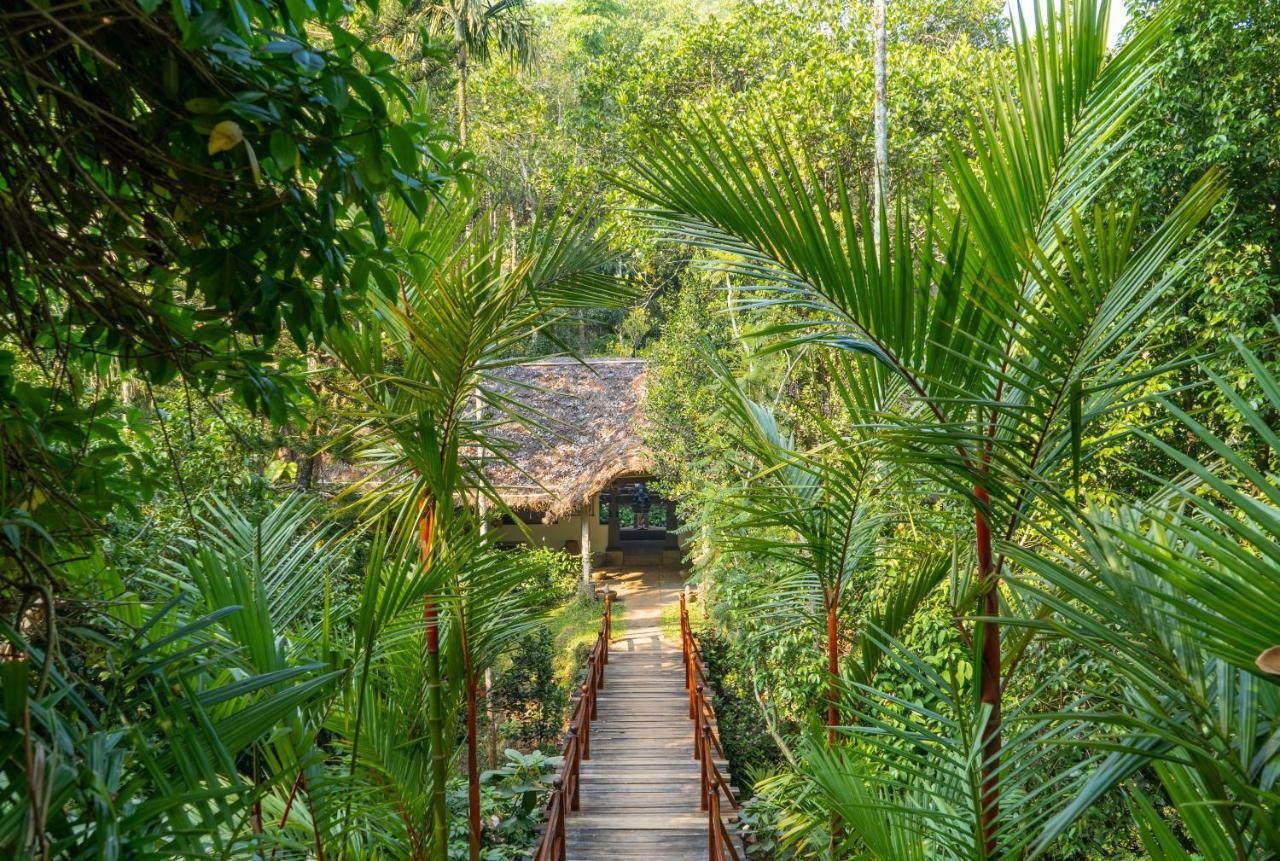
[592, 416]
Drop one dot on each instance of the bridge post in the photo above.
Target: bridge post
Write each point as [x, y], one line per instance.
[705, 745]
[556, 827]
[713, 823]
[576, 756]
[585, 543]
[697, 725]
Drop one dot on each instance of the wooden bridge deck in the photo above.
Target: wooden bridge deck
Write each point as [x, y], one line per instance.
[639, 790]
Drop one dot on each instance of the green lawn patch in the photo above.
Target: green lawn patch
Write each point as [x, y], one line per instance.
[574, 627]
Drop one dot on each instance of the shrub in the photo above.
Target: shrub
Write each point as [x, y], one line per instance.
[760, 816]
[551, 574]
[523, 780]
[526, 693]
[747, 743]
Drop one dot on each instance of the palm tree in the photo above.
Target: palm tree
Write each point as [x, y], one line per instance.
[1157, 590]
[477, 28]
[422, 363]
[229, 665]
[1013, 319]
[1149, 591]
[817, 517]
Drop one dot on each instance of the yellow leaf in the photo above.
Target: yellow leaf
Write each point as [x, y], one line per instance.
[225, 136]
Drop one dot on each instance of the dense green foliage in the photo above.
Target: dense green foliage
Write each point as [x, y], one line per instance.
[264, 264]
[1217, 103]
[528, 696]
[181, 187]
[1030, 370]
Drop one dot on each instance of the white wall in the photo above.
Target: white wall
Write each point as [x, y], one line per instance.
[569, 528]
[554, 535]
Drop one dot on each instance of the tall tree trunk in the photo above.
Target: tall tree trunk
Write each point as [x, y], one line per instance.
[473, 727]
[308, 461]
[491, 713]
[833, 671]
[473, 768]
[307, 464]
[514, 238]
[462, 95]
[435, 699]
[833, 699]
[585, 546]
[881, 125]
[989, 678]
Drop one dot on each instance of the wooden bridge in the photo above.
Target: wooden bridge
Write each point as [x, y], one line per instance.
[644, 777]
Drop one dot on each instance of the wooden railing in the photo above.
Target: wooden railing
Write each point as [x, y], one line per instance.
[577, 747]
[706, 744]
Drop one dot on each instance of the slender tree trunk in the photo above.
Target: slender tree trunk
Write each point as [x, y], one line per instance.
[989, 678]
[473, 769]
[833, 672]
[462, 95]
[491, 715]
[307, 464]
[473, 726]
[513, 238]
[585, 546]
[435, 700]
[833, 700]
[881, 126]
[471, 688]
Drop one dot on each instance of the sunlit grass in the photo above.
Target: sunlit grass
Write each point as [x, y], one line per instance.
[669, 622]
[577, 623]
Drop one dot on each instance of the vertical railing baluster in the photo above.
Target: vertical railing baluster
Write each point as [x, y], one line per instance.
[575, 753]
[562, 838]
[692, 695]
[697, 723]
[717, 852]
[705, 759]
[556, 825]
[709, 803]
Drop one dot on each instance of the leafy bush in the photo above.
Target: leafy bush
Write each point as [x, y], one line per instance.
[528, 696]
[746, 739]
[553, 575]
[759, 816]
[512, 798]
[581, 654]
[523, 780]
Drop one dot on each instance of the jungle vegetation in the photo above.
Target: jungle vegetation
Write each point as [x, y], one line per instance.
[977, 453]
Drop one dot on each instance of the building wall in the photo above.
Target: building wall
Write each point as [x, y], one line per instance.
[554, 535]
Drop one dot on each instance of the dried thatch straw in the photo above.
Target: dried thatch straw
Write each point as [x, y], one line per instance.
[591, 435]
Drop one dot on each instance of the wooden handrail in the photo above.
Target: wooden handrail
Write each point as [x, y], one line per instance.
[577, 746]
[706, 744]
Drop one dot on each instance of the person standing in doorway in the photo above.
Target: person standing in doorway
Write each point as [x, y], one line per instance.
[640, 506]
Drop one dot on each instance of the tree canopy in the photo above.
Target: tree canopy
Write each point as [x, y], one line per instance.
[977, 484]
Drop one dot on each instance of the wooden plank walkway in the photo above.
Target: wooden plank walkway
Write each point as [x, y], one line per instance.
[639, 790]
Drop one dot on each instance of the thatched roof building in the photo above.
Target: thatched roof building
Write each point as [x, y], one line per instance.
[592, 415]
